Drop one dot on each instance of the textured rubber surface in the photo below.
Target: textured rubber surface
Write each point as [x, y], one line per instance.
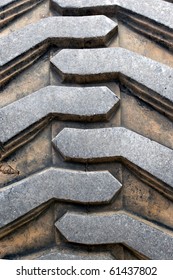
[86, 136]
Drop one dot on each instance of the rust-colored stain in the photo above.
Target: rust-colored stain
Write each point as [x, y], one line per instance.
[7, 169]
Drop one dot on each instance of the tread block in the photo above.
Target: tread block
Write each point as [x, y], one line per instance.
[21, 48]
[145, 8]
[154, 80]
[141, 16]
[67, 103]
[19, 198]
[110, 228]
[118, 143]
[56, 30]
[71, 255]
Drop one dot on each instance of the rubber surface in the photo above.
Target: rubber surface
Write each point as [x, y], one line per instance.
[86, 136]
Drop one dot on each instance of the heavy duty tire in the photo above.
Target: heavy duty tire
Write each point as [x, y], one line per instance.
[86, 131]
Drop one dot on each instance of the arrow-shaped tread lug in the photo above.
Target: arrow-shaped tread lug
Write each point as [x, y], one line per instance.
[22, 197]
[152, 80]
[118, 143]
[66, 103]
[110, 228]
[21, 48]
[140, 15]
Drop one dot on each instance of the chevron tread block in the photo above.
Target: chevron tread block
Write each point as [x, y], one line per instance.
[112, 144]
[78, 187]
[140, 15]
[154, 80]
[23, 40]
[94, 103]
[58, 31]
[146, 9]
[117, 228]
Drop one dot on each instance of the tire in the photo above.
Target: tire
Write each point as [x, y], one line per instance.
[86, 140]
